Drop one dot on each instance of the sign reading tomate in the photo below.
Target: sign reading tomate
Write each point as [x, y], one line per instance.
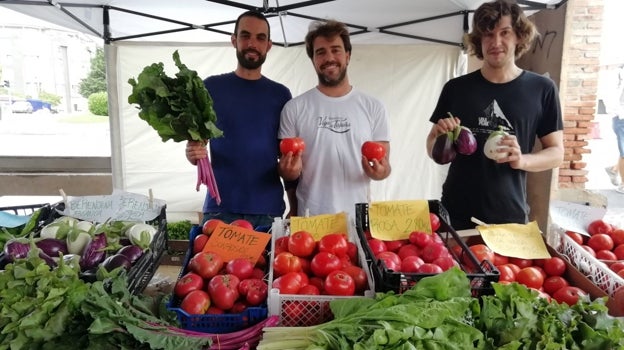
[232, 242]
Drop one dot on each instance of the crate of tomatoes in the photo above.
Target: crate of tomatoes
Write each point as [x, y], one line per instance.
[214, 296]
[399, 264]
[305, 274]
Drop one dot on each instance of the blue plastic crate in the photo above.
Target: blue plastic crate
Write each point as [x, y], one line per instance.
[213, 323]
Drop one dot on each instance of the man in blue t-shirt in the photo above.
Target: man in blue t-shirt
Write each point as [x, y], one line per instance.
[248, 107]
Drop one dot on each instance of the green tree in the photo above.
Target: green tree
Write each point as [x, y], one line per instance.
[96, 79]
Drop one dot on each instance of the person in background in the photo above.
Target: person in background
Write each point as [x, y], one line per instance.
[248, 106]
[616, 172]
[498, 95]
[334, 119]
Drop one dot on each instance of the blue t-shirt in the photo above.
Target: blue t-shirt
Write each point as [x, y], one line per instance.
[245, 159]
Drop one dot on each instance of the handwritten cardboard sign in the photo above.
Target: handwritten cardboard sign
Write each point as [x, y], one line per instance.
[120, 205]
[573, 216]
[232, 242]
[393, 220]
[320, 225]
[515, 240]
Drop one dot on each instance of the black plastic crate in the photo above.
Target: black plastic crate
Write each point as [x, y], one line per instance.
[142, 271]
[388, 280]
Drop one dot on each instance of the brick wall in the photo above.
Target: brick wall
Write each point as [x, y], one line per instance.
[578, 87]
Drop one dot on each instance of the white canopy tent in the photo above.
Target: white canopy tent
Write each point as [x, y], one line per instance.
[404, 51]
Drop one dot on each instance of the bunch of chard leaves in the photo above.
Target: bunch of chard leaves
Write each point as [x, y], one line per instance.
[43, 308]
[8, 233]
[179, 108]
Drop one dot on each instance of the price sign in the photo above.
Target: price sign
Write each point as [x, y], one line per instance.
[515, 240]
[232, 242]
[394, 220]
[320, 225]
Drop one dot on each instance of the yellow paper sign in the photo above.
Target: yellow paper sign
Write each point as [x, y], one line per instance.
[393, 220]
[232, 242]
[320, 225]
[515, 240]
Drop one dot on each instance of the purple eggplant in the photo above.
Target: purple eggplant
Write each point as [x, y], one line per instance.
[16, 249]
[465, 142]
[132, 252]
[48, 260]
[94, 252]
[52, 247]
[115, 261]
[443, 151]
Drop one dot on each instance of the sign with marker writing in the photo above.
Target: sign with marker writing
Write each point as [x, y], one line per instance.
[231, 242]
[320, 225]
[119, 206]
[573, 216]
[515, 240]
[394, 220]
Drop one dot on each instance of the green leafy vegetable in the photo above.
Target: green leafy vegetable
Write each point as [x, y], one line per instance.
[179, 108]
[179, 229]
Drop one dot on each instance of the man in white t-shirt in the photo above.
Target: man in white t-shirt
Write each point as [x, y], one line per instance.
[334, 120]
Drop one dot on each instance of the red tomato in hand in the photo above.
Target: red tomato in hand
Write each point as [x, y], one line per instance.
[435, 222]
[188, 283]
[339, 283]
[373, 150]
[301, 244]
[599, 226]
[335, 243]
[196, 302]
[206, 264]
[292, 144]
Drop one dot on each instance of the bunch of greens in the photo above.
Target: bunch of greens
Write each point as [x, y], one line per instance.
[43, 308]
[179, 109]
[179, 229]
[9, 233]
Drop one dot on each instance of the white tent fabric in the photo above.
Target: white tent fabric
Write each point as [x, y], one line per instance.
[407, 78]
[404, 51]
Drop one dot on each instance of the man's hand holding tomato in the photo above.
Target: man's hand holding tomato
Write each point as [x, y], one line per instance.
[290, 163]
[378, 169]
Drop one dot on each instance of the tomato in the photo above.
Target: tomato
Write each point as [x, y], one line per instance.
[188, 283]
[323, 263]
[301, 244]
[335, 243]
[289, 283]
[600, 241]
[254, 290]
[309, 289]
[373, 150]
[605, 255]
[238, 307]
[506, 273]
[408, 250]
[281, 245]
[589, 249]
[435, 222]
[293, 313]
[286, 262]
[576, 237]
[394, 245]
[410, 264]
[500, 259]
[618, 236]
[530, 277]
[213, 310]
[352, 251]
[420, 238]
[240, 267]
[242, 223]
[206, 264]
[199, 242]
[569, 295]
[433, 251]
[481, 252]
[445, 262]
[339, 283]
[554, 266]
[617, 266]
[522, 263]
[223, 290]
[554, 283]
[599, 226]
[257, 273]
[318, 283]
[391, 260]
[429, 268]
[209, 226]
[196, 302]
[292, 144]
[376, 246]
[619, 251]
[359, 277]
[514, 267]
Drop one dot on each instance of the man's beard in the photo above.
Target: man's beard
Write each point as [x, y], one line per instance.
[249, 64]
[327, 81]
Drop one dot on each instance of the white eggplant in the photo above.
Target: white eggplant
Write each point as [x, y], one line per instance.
[492, 149]
[77, 240]
[56, 229]
[141, 234]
